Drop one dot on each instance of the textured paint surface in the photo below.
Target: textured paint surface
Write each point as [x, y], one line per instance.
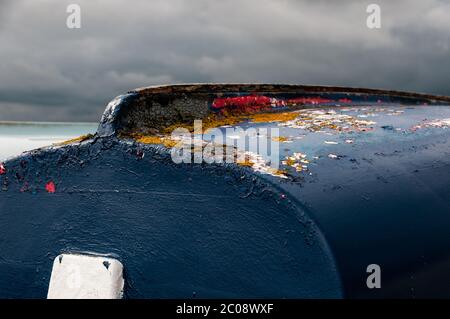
[203, 230]
[154, 109]
[386, 203]
[380, 196]
[376, 188]
[50, 187]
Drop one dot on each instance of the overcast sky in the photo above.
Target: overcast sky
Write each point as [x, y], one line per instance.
[51, 73]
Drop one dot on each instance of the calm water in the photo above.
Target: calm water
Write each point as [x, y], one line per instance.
[17, 137]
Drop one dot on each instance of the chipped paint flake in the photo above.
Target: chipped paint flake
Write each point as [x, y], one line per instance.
[333, 156]
[273, 117]
[50, 187]
[79, 139]
[259, 164]
[437, 123]
[440, 123]
[319, 120]
[298, 161]
[282, 139]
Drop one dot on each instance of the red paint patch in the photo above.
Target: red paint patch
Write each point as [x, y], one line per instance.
[345, 100]
[309, 100]
[50, 187]
[243, 103]
[2, 169]
[251, 103]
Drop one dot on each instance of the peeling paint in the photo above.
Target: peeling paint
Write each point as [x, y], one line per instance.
[50, 187]
[244, 104]
[317, 120]
[108, 201]
[437, 123]
[166, 141]
[273, 117]
[157, 109]
[121, 195]
[79, 139]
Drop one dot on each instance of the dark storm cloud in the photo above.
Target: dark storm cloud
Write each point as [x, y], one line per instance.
[4, 7]
[48, 72]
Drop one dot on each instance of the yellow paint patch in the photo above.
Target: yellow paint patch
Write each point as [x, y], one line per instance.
[213, 121]
[209, 122]
[273, 117]
[153, 139]
[246, 163]
[280, 173]
[290, 161]
[281, 139]
[75, 140]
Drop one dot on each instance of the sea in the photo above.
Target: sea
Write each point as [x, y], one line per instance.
[17, 137]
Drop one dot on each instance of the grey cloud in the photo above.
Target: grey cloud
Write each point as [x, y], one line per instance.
[48, 72]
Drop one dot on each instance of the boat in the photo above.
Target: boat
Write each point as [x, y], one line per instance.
[354, 203]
